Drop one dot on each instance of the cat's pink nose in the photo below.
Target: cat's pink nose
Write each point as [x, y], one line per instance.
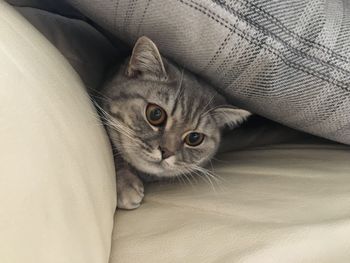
[165, 153]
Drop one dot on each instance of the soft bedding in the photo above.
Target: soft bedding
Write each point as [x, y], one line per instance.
[281, 203]
[285, 203]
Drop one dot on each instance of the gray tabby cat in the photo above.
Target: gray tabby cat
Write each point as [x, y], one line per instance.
[162, 120]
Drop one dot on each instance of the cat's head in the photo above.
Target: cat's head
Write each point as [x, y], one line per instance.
[162, 119]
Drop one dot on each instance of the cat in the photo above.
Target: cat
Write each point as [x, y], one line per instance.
[162, 120]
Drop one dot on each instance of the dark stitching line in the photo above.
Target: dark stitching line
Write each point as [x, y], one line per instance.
[115, 14]
[218, 52]
[264, 32]
[221, 67]
[267, 47]
[279, 24]
[143, 17]
[128, 14]
[276, 37]
[230, 72]
[243, 35]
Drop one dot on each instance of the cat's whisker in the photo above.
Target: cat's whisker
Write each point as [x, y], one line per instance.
[181, 180]
[220, 181]
[121, 130]
[99, 95]
[207, 172]
[119, 127]
[191, 170]
[210, 181]
[188, 179]
[208, 103]
[193, 177]
[177, 178]
[208, 175]
[125, 147]
[114, 123]
[189, 173]
[204, 178]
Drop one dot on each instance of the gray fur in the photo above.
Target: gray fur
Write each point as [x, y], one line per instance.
[190, 104]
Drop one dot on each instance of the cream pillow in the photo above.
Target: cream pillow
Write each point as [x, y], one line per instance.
[57, 178]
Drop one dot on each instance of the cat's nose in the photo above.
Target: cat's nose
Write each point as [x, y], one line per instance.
[165, 152]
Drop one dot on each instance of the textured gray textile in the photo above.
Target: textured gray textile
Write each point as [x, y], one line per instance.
[286, 60]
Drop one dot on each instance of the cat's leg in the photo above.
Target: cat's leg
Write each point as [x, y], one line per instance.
[129, 188]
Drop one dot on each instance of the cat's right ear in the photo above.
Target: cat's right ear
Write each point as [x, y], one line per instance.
[146, 61]
[229, 116]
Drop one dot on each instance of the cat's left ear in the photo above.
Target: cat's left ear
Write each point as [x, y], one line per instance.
[146, 61]
[229, 116]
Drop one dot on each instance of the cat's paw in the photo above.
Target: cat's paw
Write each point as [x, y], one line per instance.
[130, 190]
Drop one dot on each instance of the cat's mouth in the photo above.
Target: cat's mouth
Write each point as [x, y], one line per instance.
[157, 166]
[152, 162]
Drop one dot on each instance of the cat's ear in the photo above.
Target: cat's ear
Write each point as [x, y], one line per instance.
[229, 116]
[146, 61]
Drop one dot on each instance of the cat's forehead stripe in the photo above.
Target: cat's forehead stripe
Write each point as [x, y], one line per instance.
[127, 96]
[188, 115]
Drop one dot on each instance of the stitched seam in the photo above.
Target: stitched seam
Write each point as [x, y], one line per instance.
[143, 17]
[286, 30]
[243, 67]
[218, 52]
[116, 5]
[128, 14]
[243, 35]
[276, 37]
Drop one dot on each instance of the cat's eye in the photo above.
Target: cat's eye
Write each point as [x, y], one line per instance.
[155, 115]
[194, 138]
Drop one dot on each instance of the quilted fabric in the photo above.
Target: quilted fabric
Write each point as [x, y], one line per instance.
[285, 60]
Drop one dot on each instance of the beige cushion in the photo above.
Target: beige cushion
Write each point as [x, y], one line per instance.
[57, 182]
[282, 203]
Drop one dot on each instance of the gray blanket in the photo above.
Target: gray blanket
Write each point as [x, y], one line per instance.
[285, 60]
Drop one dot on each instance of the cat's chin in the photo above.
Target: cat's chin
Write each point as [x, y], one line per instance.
[163, 168]
[160, 169]
[152, 165]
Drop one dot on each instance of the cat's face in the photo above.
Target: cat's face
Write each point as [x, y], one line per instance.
[162, 119]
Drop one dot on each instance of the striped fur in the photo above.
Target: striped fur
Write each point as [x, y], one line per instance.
[190, 104]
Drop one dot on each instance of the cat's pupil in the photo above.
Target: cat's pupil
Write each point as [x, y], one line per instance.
[193, 137]
[156, 114]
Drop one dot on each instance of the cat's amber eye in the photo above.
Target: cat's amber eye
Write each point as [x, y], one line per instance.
[155, 115]
[194, 139]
